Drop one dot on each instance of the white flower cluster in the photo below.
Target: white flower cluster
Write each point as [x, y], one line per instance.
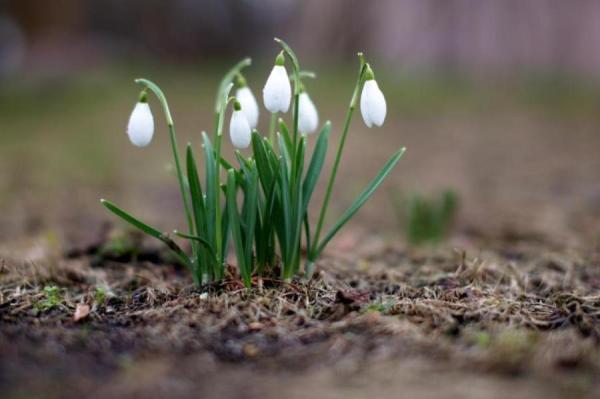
[277, 97]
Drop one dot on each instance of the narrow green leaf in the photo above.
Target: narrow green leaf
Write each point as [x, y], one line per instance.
[307, 233]
[359, 202]
[225, 164]
[316, 164]
[235, 226]
[287, 139]
[286, 208]
[199, 212]
[297, 204]
[149, 230]
[224, 236]
[200, 240]
[198, 206]
[250, 213]
[211, 189]
[285, 154]
[265, 171]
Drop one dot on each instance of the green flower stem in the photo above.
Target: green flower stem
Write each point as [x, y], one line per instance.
[296, 112]
[180, 177]
[272, 128]
[173, 139]
[353, 102]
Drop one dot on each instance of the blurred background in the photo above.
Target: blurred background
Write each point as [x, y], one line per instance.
[497, 100]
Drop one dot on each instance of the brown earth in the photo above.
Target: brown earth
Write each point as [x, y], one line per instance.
[520, 318]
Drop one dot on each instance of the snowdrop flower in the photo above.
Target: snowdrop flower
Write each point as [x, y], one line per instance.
[308, 118]
[249, 105]
[140, 128]
[372, 102]
[239, 128]
[277, 93]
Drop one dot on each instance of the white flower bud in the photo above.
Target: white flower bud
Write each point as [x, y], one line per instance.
[372, 104]
[249, 105]
[140, 128]
[277, 93]
[239, 129]
[308, 117]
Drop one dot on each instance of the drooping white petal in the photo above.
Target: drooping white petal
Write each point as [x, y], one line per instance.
[140, 128]
[308, 117]
[239, 130]
[372, 104]
[249, 105]
[277, 93]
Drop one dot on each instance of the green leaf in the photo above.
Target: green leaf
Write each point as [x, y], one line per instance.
[224, 237]
[285, 134]
[212, 191]
[235, 226]
[359, 202]
[297, 203]
[265, 170]
[316, 164]
[198, 210]
[200, 240]
[196, 193]
[250, 212]
[286, 209]
[285, 155]
[148, 230]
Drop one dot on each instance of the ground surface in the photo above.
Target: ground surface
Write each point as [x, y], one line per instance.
[508, 306]
[522, 317]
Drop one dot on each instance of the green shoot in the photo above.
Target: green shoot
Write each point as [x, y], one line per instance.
[427, 220]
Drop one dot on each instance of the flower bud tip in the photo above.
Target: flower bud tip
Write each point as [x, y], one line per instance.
[369, 75]
[240, 80]
[280, 59]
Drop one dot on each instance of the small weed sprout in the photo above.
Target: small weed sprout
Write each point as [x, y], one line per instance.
[428, 220]
[261, 205]
[100, 294]
[52, 298]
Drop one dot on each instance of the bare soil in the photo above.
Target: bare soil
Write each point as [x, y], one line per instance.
[520, 317]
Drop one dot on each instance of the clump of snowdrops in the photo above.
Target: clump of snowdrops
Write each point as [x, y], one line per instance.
[261, 205]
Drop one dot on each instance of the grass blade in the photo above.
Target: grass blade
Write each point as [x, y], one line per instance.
[376, 182]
